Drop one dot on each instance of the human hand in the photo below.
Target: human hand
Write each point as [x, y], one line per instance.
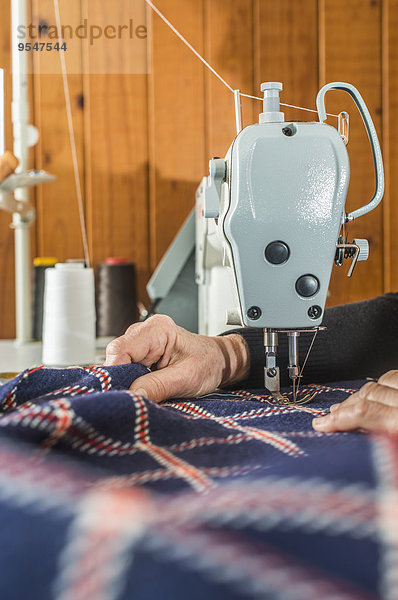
[373, 408]
[187, 364]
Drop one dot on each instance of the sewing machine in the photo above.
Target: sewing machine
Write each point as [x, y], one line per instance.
[270, 223]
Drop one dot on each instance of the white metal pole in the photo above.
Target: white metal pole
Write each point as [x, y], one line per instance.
[238, 111]
[20, 115]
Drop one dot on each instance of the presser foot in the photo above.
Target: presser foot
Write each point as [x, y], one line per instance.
[272, 384]
[304, 399]
[279, 399]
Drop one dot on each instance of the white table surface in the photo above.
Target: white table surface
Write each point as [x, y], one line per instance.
[15, 357]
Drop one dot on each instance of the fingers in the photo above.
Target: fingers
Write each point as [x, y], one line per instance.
[187, 364]
[146, 343]
[117, 353]
[373, 392]
[373, 408]
[363, 414]
[390, 379]
[377, 392]
[161, 385]
[349, 401]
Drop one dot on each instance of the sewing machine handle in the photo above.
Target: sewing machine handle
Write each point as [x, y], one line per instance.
[374, 142]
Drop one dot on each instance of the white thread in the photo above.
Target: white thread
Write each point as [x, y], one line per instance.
[69, 315]
[178, 34]
[254, 97]
[290, 105]
[72, 138]
[307, 109]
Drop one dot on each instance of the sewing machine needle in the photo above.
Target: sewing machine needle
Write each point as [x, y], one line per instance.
[305, 361]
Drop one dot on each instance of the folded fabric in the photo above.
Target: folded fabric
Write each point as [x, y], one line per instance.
[105, 494]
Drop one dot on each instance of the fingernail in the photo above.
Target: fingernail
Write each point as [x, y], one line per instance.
[334, 407]
[141, 392]
[319, 423]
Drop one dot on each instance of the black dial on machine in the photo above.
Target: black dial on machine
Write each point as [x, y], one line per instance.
[307, 285]
[277, 253]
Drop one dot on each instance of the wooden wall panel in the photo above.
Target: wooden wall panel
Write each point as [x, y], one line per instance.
[286, 38]
[385, 143]
[117, 170]
[391, 128]
[7, 290]
[58, 227]
[116, 127]
[229, 49]
[176, 111]
[351, 42]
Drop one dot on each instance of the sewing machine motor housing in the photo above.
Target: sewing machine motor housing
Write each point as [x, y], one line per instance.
[287, 186]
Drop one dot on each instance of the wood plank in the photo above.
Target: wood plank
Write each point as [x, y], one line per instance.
[117, 170]
[229, 50]
[116, 127]
[58, 226]
[177, 124]
[352, 52]
[286, 38]
[385, 141]
[392, 100]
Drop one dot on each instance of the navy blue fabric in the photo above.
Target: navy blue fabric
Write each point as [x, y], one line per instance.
[105, 494]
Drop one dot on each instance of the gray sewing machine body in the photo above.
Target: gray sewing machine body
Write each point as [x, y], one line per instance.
[286, 206]
[270, 215]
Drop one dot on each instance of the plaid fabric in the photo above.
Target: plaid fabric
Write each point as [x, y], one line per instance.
[105, 495]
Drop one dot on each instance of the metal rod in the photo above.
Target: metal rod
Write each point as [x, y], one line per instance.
[238, 111]
[270, 348]
[271, 370]
[20, 113]
[293, 366]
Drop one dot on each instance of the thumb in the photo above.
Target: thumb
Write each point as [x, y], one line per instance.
[159, 385]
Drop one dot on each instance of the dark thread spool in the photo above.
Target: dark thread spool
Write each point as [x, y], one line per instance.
[40, 266]
[116, 297]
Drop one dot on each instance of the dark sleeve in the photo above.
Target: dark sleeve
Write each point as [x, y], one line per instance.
[361, 341]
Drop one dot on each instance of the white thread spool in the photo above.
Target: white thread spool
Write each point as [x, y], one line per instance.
[69, 316]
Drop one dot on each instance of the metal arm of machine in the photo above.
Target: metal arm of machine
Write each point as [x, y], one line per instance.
[373, 139]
